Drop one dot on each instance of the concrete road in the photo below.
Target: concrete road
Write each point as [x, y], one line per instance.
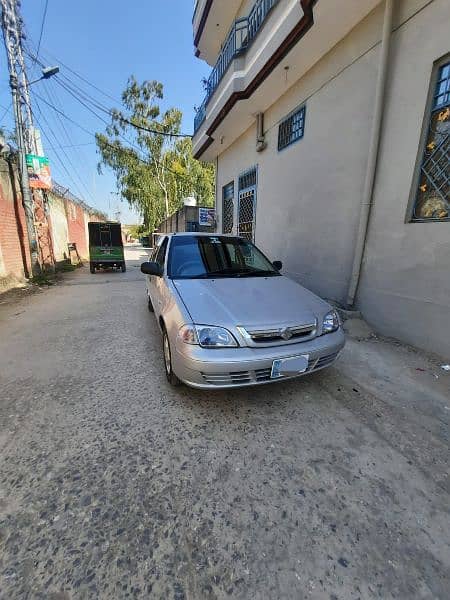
[113, 485]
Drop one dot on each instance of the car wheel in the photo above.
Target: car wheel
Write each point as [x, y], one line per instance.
[92, 268]
[171, 377]
[124, 267]
[150, 305]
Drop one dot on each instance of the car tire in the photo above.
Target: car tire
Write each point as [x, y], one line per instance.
[124, 267]
[167, 355]
[150, 305]
[92, 268]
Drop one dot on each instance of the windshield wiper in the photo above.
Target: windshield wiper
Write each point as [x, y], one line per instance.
[241, 273]
[228, 273]
[263, 273]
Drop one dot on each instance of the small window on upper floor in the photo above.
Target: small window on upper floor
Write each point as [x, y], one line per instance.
[432, 183]
[292, 128]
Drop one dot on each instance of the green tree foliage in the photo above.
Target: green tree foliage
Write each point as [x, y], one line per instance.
[154, 169]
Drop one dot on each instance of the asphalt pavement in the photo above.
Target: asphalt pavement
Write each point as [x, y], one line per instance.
[115, 485]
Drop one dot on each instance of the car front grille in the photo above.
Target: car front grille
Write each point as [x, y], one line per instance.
[280, 335]
[259, 375]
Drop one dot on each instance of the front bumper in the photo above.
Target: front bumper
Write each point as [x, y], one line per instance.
[245, 366]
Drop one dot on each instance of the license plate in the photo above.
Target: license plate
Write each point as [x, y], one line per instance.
[288, 367]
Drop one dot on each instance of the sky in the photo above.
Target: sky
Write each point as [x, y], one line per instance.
[104, 41]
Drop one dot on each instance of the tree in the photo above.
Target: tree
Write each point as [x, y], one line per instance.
[155, 169]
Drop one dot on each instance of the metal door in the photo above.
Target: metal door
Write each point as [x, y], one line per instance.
[228, 208]
[247, 204]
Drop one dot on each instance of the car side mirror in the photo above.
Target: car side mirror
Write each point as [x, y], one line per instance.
[152, 268]
[277, 264]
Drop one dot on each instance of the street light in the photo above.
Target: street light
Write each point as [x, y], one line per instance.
[23, 137]
[47, 72]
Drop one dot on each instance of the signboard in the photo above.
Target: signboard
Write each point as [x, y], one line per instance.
[39, 172]
[206, 217]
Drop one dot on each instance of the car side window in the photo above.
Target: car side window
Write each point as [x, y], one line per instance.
[161, 255]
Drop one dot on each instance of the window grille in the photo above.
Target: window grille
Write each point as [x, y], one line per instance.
[292, 128]
[227, 207]
[433, 191]
[247, 204]
[247, 179]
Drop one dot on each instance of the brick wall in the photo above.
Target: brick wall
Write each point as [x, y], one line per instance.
[59, 221]
[14, 250]
[76, 228]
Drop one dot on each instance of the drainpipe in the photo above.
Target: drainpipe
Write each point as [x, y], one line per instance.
[367, 198]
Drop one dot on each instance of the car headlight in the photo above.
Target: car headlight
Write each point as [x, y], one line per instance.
[207, 336]
[331, 322]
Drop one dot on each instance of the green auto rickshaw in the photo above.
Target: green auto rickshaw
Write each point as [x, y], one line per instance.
[106, 246]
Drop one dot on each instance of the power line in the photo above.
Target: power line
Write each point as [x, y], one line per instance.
[6, 112]
[42, 29]
[60, 62]
[81, 127]
[103, 120]
[61, 162]
[79, 155]
[62, 113]
[65, 154]
[142, 160]
[79, 145]
[75, 91]
[77, 94]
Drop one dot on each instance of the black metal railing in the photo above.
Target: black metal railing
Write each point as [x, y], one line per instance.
[241, 35]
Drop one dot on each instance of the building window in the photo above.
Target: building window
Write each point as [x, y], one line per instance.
[227, 207]
[292, 128]
[247, 204]
[432, 195]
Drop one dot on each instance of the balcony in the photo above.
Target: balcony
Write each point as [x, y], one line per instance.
[239, 39]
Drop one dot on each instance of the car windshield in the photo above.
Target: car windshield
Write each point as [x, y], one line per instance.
[202, 257]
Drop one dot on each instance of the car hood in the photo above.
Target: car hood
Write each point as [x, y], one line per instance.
[250, 301]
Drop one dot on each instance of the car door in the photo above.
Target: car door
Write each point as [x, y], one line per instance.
[156, 285]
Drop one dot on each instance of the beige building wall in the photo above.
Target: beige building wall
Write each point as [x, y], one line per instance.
[59, 227]
[405, 288]
[309, 194]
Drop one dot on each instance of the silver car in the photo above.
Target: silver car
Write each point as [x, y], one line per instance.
[229, 318]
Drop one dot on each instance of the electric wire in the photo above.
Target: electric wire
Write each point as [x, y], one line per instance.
[91, 110]
[144, 160]
[42, 29]
[86, 81]
[77, 93]
[78, 152]
[6, 112]
[69, 162]
[58, 158]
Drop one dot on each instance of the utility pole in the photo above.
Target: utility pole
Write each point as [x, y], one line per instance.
[12, 34]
